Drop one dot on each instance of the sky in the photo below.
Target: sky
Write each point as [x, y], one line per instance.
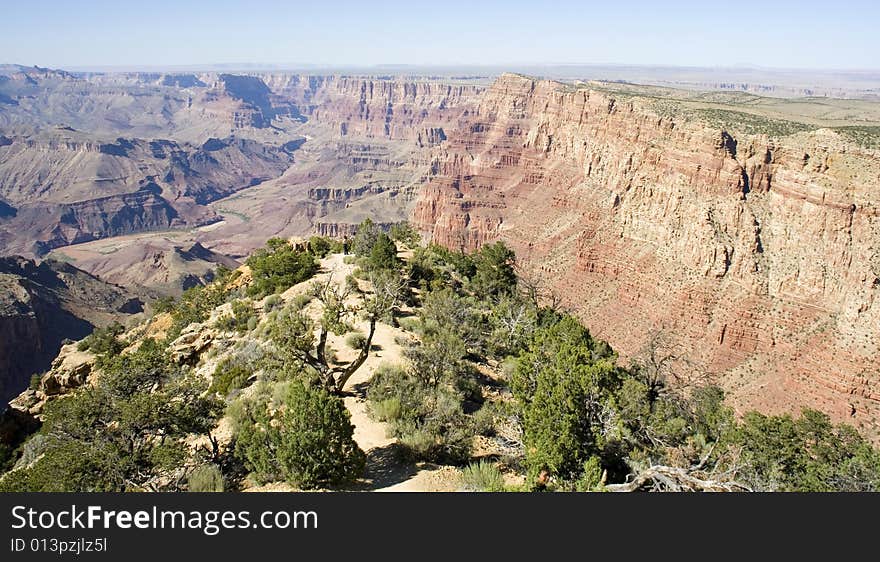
[770, 33]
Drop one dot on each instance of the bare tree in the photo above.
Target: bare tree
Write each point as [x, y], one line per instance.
[663, 362]
[536, 289]
[513, 319]
[704, 476]
[296, 333]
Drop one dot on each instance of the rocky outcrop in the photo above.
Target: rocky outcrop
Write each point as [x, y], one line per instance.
[759, 255]
[194, 340]
[344, 229]
[70, 370]
[41, 306]
[24, 414]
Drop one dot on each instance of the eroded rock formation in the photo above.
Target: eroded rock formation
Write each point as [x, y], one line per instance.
[42, 305]
[759, 256]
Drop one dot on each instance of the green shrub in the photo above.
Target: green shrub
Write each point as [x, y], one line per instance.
[404, 233]
[560, 387]
[387, 410]
[356, 340]
[304, 438]
[484, 420]
[351, 284]
[225, 323]
[242, 314]
[36, 378]
[129, 431]
[494, 274]
[591, 476]
[104, 340]
[299, 302]
[273, 302]
[319, 246]
[425, 415]
[512, 322]
[383, 254]
[279, 266]
[807, 454]
[205, 478]
[365, 238]
[409, 324]
[195, 305]
[229, 375]
[437, 266]
[482, 476]
[508, 366]
[164, 304]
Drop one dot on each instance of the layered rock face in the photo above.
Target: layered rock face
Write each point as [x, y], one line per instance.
[760, 258]
[64, 189]
[396, 109]
[74, 151]
[43, 304]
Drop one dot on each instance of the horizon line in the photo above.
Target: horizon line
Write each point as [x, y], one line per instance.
[251, 66]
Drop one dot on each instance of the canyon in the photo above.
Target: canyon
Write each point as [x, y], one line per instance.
[44, 304]
[758, 256]
[744, 229]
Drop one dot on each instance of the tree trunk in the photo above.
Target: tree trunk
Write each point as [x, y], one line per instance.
[356, 364]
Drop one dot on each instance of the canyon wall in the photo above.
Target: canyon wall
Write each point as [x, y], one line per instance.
[62, 188]
[760, 258]
[43, 304]
[397, 109]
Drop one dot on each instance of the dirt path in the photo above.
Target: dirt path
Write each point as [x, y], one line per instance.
[386, 469]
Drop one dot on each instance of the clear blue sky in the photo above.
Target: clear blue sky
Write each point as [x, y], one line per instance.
[770, 33]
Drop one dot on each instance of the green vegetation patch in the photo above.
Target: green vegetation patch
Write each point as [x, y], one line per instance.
[864, 136]
[278, 267]
[747, 123]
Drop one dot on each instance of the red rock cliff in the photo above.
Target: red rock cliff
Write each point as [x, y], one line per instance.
[761, 257]
[396, 109]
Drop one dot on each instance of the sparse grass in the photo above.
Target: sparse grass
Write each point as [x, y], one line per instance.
[750, 124]
[388, 410]
[866, 137]
[356, 340]
[35, 381]
[484, 420]
[299, 302]
[482, 476]
[273, 302]
[205, 478]
[409, 324]
[229, 376]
